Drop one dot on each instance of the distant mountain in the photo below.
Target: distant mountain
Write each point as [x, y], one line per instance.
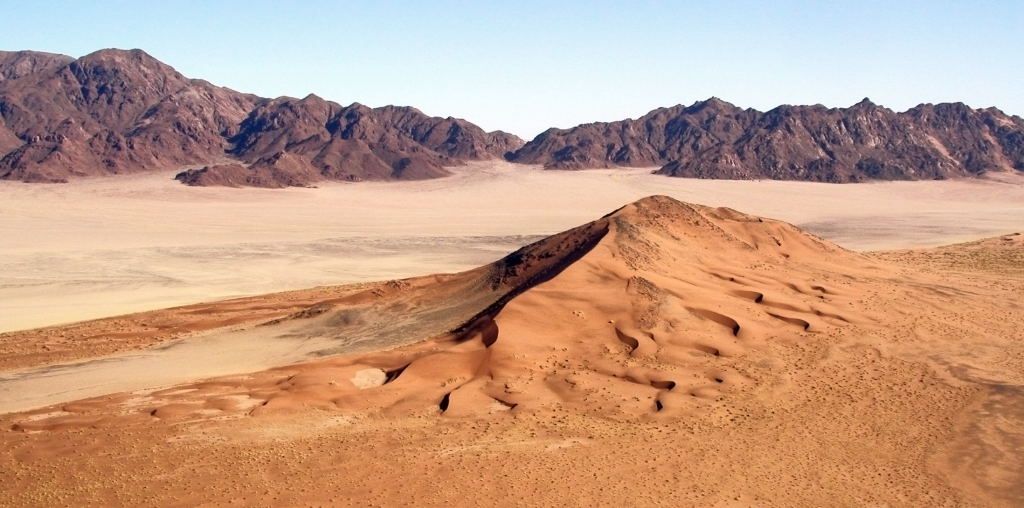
[294, 142]
[108, 112]
[117, 111]
[715, 139]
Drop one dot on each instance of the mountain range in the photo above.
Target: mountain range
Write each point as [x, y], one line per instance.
[123, 111]
[116, 111]
[715, 139]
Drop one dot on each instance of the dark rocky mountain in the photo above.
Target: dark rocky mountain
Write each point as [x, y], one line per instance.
[117, 111]
[295, 142]
[108, 112]
[714, 139]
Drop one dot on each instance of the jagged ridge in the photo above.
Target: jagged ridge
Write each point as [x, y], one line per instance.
[715, 139]
[116, 111]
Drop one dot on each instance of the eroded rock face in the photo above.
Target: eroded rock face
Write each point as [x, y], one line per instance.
[714, 139]
[295, 142]
[117, 111]
[109, 112]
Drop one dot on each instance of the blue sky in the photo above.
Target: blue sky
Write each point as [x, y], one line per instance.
[522, 66]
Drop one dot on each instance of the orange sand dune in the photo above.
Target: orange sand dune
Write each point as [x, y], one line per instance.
[665, 354]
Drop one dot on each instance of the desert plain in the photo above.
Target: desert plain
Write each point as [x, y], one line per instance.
[112, 245]
[653, 341]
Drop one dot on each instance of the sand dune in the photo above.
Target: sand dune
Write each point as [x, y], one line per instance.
[666, 353]
[110, 246]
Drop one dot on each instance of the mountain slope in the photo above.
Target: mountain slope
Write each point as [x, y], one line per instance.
[289, 142]
[116, 111]
[714, 139]
[109, 112]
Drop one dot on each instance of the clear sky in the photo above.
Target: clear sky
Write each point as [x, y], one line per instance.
[522, 65]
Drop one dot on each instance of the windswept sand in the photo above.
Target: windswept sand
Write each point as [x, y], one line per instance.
[108, 246]
[665, 354]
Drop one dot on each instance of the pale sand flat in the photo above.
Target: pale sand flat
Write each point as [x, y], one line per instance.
[107, 246]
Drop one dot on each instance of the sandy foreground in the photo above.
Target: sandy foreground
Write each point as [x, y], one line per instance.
[108, 246]
[665, 354]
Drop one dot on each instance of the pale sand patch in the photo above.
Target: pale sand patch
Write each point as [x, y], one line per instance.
[106, 246]
[168, 365]
[368, 378]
